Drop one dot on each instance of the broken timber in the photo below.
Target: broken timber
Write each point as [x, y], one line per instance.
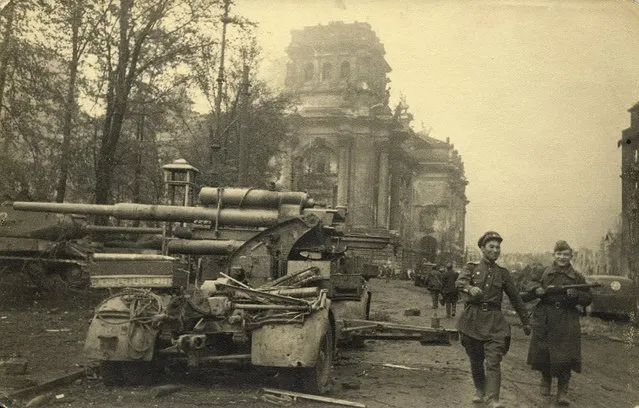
[314, 397]
[374, 330]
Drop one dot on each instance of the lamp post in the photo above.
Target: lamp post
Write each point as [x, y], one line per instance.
[216, 136]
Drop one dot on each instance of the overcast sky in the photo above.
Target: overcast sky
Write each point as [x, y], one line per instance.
[533, 94]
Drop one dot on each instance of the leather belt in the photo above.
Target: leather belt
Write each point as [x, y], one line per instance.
[486, 306]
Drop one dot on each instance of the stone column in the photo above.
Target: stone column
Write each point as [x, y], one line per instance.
[395, 191]
[363, 200]
[383, 190]
[343, 171]
[286, 176]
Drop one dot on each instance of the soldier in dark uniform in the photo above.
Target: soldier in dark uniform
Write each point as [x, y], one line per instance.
[433, 283]
[555, 346]
[485, 333]
[449, 291]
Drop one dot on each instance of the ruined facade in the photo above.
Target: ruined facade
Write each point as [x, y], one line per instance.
[629, 144]
[347, 147]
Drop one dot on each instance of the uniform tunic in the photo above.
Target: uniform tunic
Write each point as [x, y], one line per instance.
[488, 322]
[485, 331]
[555, 345]
[449, 291]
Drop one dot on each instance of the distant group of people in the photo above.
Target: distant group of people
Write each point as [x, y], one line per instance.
[555, 349]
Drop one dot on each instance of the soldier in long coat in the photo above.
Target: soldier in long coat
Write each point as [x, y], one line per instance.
[449, 291]
[433, 283]
[485, 333]
[555, 345]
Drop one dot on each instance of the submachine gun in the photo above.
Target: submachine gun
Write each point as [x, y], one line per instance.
[558, 289]
[254, 275]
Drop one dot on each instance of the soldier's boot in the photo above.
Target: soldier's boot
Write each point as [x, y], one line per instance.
[493, 385]
[453, 308]
[563, 379]
[545, 384]
[448, 309]
[479, 379]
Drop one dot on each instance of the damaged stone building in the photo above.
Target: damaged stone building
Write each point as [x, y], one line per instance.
[629, 144]
[347, 147]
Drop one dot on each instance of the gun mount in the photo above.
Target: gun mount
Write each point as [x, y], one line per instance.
[247, 274]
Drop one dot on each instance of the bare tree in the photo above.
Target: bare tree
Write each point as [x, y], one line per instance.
[73, 25]
[152, 36]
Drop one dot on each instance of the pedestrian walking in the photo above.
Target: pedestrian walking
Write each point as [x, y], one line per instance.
[485, 333]
[449, 291]
[555, 345]
[433, 283]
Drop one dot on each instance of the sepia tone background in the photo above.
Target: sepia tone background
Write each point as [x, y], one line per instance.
[533, 94]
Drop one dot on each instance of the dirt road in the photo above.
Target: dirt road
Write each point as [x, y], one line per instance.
[383, 374]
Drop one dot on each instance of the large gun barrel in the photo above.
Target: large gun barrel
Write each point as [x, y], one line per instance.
[248, 197]
[203, 247]
[361, 241]
[108, 229]
[51, 227]
[225, 216]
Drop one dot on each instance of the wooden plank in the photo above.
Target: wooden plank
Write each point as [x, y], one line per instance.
[396, 326]
[55, 383]
[388, 336]
[314, 397]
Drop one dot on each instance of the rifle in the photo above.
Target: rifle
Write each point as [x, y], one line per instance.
[563, 288]
[552, 290]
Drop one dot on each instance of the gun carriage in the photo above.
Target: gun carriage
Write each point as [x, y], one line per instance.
[253, 275]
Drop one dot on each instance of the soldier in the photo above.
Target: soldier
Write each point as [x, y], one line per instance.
[433, 283]
[555, 346]
[449, 291]
[485, 333]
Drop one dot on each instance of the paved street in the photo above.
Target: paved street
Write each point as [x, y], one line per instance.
[414, 376]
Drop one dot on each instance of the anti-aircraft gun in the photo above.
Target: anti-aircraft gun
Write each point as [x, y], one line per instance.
[247, 274]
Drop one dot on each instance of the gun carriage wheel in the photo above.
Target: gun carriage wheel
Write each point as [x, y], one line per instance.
[314, 380]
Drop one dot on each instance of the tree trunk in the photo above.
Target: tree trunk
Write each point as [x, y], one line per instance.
[117, 96]
[137, 179]
[70, 106]
[242, 165]
[5, 51]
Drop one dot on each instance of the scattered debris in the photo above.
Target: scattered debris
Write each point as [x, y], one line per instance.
[282, 400]
[166, 389]
[351, 385]
[312, 397]
[412, 312]
[609, 388]
[16, 366]
[19, 382]
[403, 367]
[57, 330]
[40, 400]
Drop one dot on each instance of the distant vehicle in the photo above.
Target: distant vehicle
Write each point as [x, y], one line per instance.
[615, 297]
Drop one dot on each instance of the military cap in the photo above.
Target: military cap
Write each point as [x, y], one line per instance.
[487, 237]
[562, 245]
